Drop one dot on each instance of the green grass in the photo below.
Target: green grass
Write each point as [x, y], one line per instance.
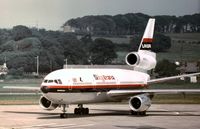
[176, 85]
[19, 99]
[185, 36]
[176, 99]
[184, 46]
[21, 82]
[181, 51]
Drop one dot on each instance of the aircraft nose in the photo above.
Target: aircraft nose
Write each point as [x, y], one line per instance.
[44, 89]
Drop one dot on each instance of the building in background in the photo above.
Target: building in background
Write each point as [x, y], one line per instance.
[68, 28]
[3, 69]
[191, 67]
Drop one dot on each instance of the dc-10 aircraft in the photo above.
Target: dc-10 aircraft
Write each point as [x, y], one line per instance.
[83, 86]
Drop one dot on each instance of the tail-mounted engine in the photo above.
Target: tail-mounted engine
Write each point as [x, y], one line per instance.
[140, 103]
[47, 104]
[143, 59]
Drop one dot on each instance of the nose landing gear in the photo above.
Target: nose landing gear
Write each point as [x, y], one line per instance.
[64, 114]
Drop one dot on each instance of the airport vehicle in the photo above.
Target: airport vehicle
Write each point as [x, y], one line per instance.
[63, 87]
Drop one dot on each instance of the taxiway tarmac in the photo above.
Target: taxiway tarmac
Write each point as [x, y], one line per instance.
[107, 116]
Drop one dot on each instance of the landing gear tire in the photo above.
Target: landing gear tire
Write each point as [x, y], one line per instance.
[63, 115]
[143, 113]
[76, 111]
[81, 111]
[86, 111]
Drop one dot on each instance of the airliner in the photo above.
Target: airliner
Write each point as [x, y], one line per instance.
[64, 87]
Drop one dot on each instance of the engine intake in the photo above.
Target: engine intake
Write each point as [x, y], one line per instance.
[47, 104]
[143, 59]
[140, 103]
[132, 59]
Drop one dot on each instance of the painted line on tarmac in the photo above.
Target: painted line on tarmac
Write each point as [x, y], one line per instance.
[55, 126]
[78, 126]
[32, 126]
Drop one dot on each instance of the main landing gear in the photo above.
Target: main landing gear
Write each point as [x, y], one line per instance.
[81, 110]
[78, 111]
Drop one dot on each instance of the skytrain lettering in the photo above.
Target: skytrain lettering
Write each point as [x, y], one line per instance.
[104, 77]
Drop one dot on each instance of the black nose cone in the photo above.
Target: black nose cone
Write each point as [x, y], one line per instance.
[44, 89]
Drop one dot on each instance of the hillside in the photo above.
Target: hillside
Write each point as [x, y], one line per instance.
[20, 45]
[184, 46]
[127, 24]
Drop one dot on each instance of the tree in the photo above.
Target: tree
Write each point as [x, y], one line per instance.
[160, 43]
[75, 53]
[135, 42]
[16, 72]
[21, 32]
[165, 68]
[102, 51]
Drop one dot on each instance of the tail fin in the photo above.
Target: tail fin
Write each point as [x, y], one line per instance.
[144, 59]
[147, 38]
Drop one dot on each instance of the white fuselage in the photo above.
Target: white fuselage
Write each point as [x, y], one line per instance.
[76, 86]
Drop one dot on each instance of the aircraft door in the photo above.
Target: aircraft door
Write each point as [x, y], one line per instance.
[69, 84]
[118, 84]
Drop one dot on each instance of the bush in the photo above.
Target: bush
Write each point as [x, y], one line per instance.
[16, 72]
[166, 68]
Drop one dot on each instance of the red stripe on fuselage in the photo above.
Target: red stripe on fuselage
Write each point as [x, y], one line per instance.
[117, 86]
[148, 40]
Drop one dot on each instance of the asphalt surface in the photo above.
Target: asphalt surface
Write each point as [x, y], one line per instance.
[107, 116]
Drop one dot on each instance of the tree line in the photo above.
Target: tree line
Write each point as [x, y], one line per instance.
[20, 46]
[132, 23]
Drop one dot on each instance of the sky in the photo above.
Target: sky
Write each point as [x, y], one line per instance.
[52, 14]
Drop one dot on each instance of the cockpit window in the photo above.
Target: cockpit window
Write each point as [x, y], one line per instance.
[50, 81]
[56, 81]
[59, 81]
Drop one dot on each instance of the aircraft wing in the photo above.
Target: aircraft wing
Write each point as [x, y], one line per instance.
[158, 80]
[22, 94]
[115, 93]
[25, 88]
[126, 93]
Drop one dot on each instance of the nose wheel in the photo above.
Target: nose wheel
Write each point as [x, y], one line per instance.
[64, 114]
[81, 110]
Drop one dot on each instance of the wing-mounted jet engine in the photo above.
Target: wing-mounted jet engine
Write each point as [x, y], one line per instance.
[47, 104]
